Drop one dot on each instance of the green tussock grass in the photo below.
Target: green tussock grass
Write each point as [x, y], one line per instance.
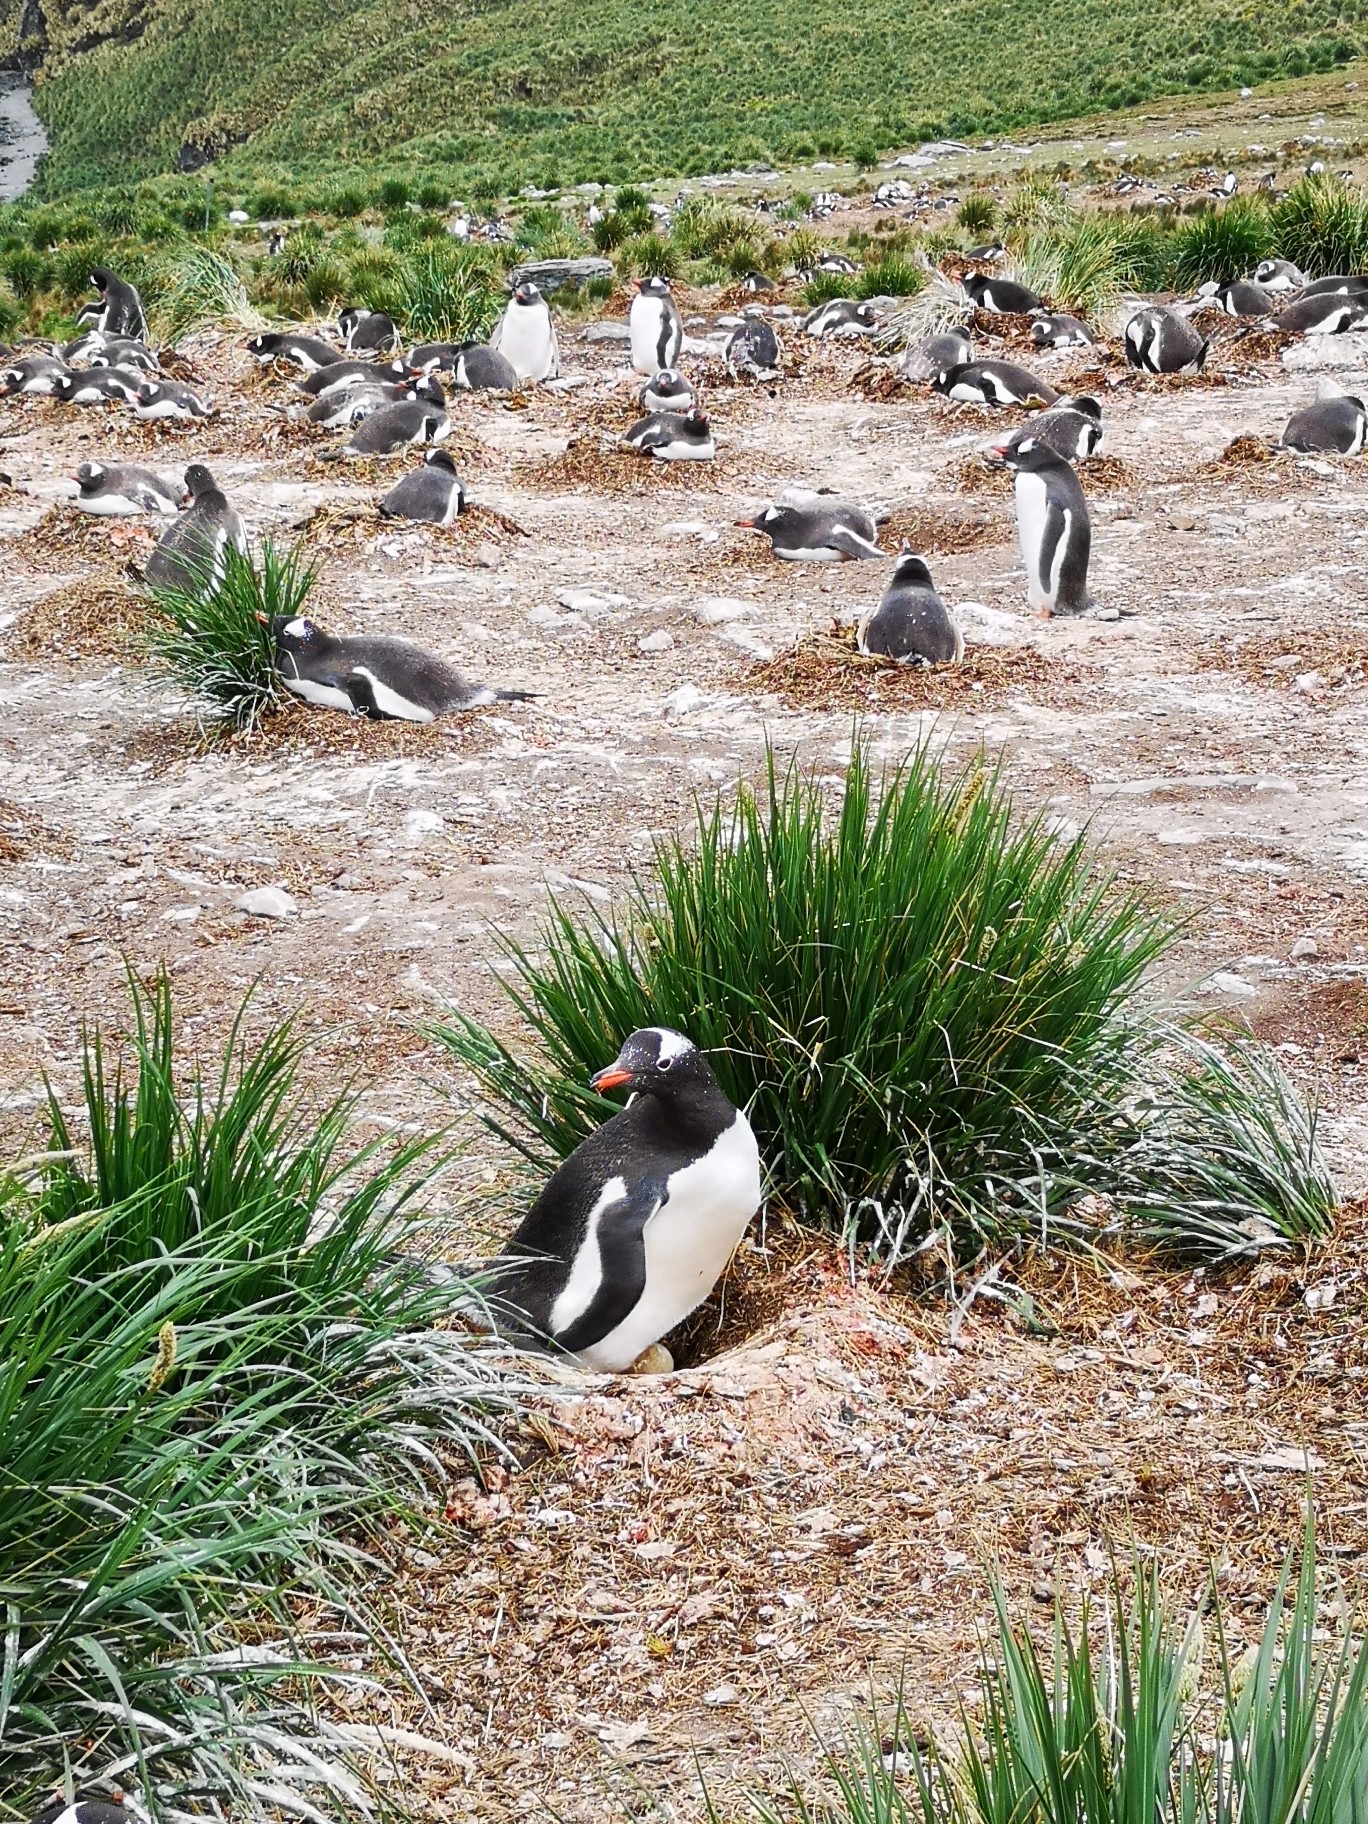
[627, 96]
[218, 1380]
[933, 1012]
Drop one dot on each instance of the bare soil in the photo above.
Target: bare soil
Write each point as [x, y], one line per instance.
[694, 1565]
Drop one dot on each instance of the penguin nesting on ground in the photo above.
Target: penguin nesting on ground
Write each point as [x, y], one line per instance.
[667, 391]
[1324, 313]
[1243, 299]
[485, 370]
[392, 428]
[752, 350]
[120, 310]
[992, 383]
[338, 374]
[119, 352]
[432, 494]
[755, 282]
[306, 352]
[348, 405]
[376, 675]
[655, 327]
[97, 386]
[1279, 275]
[163, 400]
[843, 317]
[434, 357]
[1001, 295]
[1072, 428]
[191, 555]
[526, 336]
[32, 374]
[1159, 341]
[83, 1811]
[804, 527]
[934, 353]
[836, 262]
[1052, 525]
[1338, 285]
[1061, 332]
[1336, 425]
[911, 623]
[82, 347]
[672, 437]
[118, 490]
[634, 1230]
[367, 330]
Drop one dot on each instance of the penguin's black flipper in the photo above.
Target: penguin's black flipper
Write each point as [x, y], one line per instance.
[850, 544]
[622, 1253]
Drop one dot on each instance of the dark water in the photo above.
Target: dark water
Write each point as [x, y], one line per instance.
[22, 139]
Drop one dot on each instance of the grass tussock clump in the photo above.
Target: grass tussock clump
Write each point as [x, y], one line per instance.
[933, 1013]
[214, 640]
[1123, 1723]
[217, 1375]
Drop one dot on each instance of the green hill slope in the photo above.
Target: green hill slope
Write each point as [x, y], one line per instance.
[567, 90]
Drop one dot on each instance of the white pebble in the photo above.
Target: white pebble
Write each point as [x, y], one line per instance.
[1303, 948]
[267, 902]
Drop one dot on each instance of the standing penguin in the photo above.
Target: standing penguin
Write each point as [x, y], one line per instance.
[634, 1230]
[1052, 525]
[190, 556]
[382, 677]
[120, 311]
[655, 326]
[526, 336]
[1159, 341]
[433, 493]
[911, 623]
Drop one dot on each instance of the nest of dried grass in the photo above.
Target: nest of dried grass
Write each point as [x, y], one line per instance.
[66, 536]
[942, 531]
[591, 461]
[1245, 451]
[88, 620]
[1276, 661]
[826, 671]
[879, 380]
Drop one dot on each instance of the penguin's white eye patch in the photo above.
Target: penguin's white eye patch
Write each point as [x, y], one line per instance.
[296, 629]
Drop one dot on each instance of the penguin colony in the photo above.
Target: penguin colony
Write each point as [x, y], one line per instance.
[633, 1231]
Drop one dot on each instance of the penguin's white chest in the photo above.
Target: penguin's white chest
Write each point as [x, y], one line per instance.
[688, 1242]
[651, 336]
[526, 342]
[1032, 510]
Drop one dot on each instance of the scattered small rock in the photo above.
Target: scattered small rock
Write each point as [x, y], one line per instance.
[1303, 948]
[684, 701]
[267, 902]
[714, 610]
[721, 1697]
[662, 640]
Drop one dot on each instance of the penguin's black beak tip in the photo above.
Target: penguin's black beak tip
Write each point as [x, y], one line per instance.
[612, 1078]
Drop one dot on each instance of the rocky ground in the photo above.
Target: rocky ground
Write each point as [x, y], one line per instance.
[661, 1575]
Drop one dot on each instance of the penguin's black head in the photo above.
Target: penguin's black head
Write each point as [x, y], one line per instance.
[695, 420]
[911, 571]
[656, 287]
[63, 385]
[975, 283]
[102, 278]
[199, 481]
[526, 293]
[429, 387]
[295, 633]
[349, 318]
[89, 475]
[1042, 332]
[148, 390]
[1085, 403]
[438, 458]
[654, 1062]
[866, 314]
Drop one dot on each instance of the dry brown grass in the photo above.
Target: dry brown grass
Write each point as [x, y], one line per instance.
[826, 671]
[86, 620]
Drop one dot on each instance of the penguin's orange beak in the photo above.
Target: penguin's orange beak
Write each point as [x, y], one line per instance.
[749, 524]
[265, 619]
[612, 1078]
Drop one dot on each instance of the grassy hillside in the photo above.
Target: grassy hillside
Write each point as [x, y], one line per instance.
[494, 93]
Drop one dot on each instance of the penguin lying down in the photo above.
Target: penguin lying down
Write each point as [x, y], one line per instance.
[635, 1228]
[373, 675]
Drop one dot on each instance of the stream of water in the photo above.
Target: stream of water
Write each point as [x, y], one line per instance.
[22, 139]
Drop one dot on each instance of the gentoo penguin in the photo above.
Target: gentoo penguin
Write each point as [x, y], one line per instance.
[364, 330]
[381, 677]
[673, 437]
[752, 349]
[485, 370]
[432, 358]
[1061, 332]
[1279, 275]
[189, 556]
[1002, 295]
[82, 347]
[31, 374]
[1340, 285]
[433, 493]
[120, 311]
[156, 400]
[1159, 341]
[82, 1811]
[306, 352]
[1071, 427]
[934, 353]
[841, 317]
[804, 527]
[392, 428]
[1052, 525]
[634, 1230]
[116, 490]
[835, 262]
[348, 405]
[275, 244]
[526, 336]
[667, 391]
[119, 352]
[343, 373]
[1324, 313]
[97, 386]
[992, 383]
[1243, 299]
[986, 255]
[1337, 425]
[911, 623]
[756, 282]
[655, 327]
